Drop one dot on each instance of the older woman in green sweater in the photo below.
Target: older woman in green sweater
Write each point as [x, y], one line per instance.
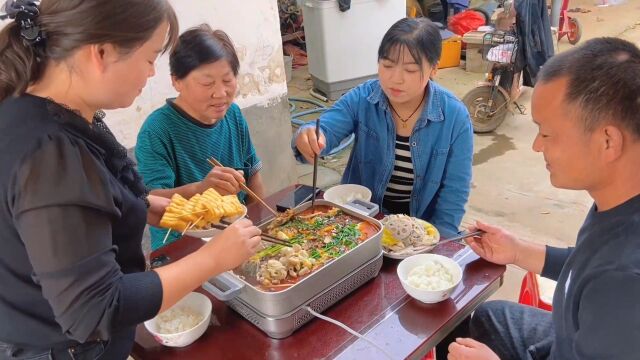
[177, 139]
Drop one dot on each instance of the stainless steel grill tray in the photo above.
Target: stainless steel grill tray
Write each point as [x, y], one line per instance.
[228, 286]
[283, 326]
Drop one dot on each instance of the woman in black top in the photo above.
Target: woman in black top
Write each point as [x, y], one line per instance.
[72, 208]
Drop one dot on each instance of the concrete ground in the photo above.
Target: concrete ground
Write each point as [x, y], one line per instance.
[510, 183]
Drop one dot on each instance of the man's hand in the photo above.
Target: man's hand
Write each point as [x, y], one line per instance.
[496, 245]
[469, 349]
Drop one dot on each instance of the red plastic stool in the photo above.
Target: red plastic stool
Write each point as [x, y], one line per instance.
[530, 293]
[431, 355]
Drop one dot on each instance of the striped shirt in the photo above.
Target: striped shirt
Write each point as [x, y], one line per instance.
[397, 197]
[173, 148]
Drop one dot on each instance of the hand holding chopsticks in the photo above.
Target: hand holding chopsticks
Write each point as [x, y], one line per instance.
[309, 142]
[225, 180]
[244, 187]
[265, 237]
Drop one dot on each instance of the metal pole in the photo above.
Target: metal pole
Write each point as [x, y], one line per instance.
[556, 5]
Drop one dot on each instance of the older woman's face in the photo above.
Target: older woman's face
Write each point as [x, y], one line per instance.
[208, 91]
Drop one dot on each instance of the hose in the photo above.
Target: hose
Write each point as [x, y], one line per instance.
[320, 108]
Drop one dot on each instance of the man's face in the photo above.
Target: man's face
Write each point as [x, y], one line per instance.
[570, 152]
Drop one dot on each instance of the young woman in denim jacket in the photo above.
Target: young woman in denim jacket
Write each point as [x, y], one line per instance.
[413, 139]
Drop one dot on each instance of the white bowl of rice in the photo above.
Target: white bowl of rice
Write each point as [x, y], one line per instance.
[183, 323]
[429, 278]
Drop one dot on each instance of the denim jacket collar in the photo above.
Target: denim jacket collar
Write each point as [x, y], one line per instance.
[433, 108]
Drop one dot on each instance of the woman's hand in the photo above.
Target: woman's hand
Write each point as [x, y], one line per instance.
[234, 245]
[225, 180]
[157, 205]
[469, 349]
[224, 252]
[309, 145]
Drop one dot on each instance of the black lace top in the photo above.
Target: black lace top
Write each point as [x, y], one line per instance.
[72, 217]
[115, 155]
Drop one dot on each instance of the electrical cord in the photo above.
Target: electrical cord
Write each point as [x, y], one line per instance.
[348, 329]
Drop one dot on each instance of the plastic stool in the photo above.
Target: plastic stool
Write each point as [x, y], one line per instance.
[431, 355]
[530, 293]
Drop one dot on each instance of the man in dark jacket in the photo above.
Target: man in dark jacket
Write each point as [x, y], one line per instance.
[586, 106]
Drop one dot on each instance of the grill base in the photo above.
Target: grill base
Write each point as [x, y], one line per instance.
[281, 327]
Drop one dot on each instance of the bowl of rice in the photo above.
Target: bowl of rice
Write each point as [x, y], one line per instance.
[429, 278]
[183, 323]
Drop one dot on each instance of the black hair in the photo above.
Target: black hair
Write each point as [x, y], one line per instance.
[54, 29]
[419, 35]
[199, 46]
[603, 77]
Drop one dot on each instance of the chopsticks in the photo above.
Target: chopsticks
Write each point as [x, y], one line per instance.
[315, 166]
[265, 237]
[244, 187]
[461, 237]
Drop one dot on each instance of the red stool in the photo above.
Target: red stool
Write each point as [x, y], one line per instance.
[530, 293]
[431, 355]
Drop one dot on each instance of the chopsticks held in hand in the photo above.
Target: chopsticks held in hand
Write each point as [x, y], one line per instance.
[461, 237]
[265, 237]
[244, 187]
[315, 166]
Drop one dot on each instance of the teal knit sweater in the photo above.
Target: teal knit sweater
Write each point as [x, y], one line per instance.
[173, 148]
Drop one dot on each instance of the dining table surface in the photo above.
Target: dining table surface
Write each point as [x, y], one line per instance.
[380, 310]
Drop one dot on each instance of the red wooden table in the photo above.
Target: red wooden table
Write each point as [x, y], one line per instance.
[380, 309]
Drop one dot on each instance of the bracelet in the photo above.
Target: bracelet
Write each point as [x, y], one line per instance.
[145, 198]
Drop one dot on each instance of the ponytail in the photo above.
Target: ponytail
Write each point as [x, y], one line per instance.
[21, 42]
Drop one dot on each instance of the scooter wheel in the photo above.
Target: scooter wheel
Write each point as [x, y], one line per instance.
[486, 118]
[575, 31]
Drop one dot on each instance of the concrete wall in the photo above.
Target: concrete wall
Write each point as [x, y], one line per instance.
[253, 25]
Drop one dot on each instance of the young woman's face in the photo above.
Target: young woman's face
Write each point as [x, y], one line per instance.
[122, 77]
[208, 91]
[401, 78]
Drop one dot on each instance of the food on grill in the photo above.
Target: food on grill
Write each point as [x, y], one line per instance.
[432, 276]
[318, 235]
[293, 262]
[402, 231]
[281, 219]
[200, 211]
